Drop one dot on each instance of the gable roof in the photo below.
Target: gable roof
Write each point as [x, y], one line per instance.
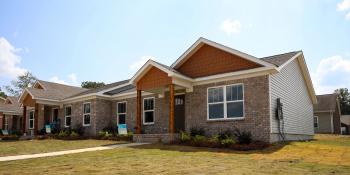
[201, 41]
[13, 107]
[326, 103]
[2, 100]
[280, 59]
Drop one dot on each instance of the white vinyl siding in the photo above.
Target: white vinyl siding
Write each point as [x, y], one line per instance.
[290, 87]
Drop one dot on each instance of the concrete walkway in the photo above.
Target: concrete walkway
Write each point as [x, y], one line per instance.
[58, 153]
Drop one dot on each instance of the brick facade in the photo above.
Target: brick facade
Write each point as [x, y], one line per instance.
[209, 60]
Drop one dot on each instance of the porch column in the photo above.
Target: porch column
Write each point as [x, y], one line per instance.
[36, 118]
[24, 119]
[171, 108]
[138, 112]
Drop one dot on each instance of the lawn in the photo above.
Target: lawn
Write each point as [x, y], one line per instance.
[326, 155]
[9, 148]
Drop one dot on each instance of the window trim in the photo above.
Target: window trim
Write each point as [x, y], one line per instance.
[126, 110]
[316, 122]
[6, 123]
[143, 109]
[225, 102]
[86, 114]
[65, 116]
[32, 111]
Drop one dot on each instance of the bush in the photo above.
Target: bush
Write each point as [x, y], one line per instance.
[111, 128]
[63, 133]
[244, 137]
[74, 134]
[227, 142]
[199, 140]
[79, 129]
[184, 137]
[225, 135]
[42, 131]
[197, 131]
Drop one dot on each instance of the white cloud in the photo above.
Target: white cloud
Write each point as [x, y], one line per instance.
[332, 73]
[9, 60]
[138, 64]
[347, 17]
[72, 80]
[231, 26]
[344, 5]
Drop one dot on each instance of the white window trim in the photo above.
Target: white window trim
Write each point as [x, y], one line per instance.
[143, 109]
[65, 116]
[316, 122]
[225, 103]
[6, 124]
[86, 114]
[126, 110]
[31, 119]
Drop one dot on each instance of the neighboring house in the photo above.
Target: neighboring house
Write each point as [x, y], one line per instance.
[10, 114]
[327, 114]
[345, 124]
[210, 86]
[2, 100]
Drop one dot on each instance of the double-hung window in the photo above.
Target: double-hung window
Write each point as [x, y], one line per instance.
[86, 114]
[226, 102]
[67, 116]
[121, 112]
[31, 120]
[315, 121]
[148, 110]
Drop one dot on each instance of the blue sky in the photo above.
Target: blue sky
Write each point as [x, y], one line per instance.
[73, 41]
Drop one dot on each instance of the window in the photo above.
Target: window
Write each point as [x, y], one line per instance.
[148, 110]
[31, 120]
[86, 114]
[67, 116]
[6, 122]
[315, 121]
[226, 102]
[121, 112]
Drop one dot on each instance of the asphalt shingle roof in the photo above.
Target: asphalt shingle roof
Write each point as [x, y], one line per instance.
[326, 102]
[13, 107]
[279, 59]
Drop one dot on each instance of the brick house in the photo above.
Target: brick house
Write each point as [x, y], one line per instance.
[10, 114]
[210, 86]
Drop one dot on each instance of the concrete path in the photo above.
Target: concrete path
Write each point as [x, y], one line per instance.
[58, 153]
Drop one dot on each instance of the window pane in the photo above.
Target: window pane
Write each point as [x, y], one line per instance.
[234, 109]
[149, 117]
[240, 92]
[216, 95]
[86, 119]
[68, 111]
[148, 104]
[315, 122]
[216, 111]
[31, 115]
[234, 93]
[121, 107]
[121, 119]
[86, 108]
[68, 121]
[31, 124]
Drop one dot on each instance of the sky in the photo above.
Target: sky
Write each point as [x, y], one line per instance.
[107, 41]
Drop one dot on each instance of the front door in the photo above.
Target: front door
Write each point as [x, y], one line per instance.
[179, 113]
[55, 115]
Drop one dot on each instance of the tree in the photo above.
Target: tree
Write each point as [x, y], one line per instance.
[2, 94]
[92, 84]
[344, 100]
[22, 82]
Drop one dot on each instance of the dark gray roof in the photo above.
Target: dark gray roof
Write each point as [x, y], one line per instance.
[13, 107]
[280, 59]
[326, 102]
[124, 89]
[107, 86]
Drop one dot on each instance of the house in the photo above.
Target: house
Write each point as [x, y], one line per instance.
[327, 114]
[10, 114]
[210, 86]
[345, 124]
[2, 100]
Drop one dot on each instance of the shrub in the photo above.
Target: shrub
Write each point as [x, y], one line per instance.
[0, 132]
[225, 134]
[199, 140]
[63, 133]
[197, 131]
[111, 128]
[184, 137]
[79, 129]
[227, 142]
[74, 134]
[42, 131]
[244, 137]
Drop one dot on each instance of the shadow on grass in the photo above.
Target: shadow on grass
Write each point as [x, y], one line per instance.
[183, 148]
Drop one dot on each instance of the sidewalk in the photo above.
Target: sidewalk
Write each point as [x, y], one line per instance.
[58, 153]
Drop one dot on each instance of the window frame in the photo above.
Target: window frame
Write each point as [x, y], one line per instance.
[86, 114]
[144, 111]
[126, 110]
[32, 111]
[225, 102]
[66, 116]
[6, 123]
[317, 122]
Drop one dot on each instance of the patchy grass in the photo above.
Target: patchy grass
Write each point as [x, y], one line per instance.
[315, 157]
[9, 148]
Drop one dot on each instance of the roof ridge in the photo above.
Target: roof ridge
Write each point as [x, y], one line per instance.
[296, 51]
[60, 84]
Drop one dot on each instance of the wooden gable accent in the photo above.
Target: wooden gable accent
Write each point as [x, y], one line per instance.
[154, 78]
[209, 60]
[28, 101]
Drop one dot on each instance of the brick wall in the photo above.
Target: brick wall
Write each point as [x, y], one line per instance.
[256, 109]
[209, 60]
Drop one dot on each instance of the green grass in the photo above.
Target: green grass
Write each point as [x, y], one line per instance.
[10, 148]
[316, 157]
